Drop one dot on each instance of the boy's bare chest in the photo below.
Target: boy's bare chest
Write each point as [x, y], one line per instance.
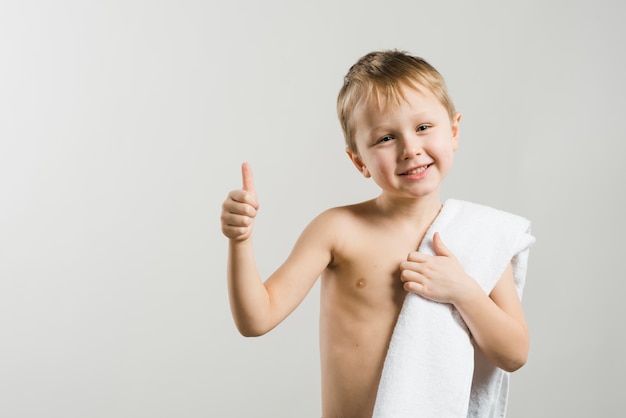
[381, 250]
[370, 265]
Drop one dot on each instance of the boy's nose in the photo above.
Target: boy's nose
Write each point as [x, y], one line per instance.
[410, 148]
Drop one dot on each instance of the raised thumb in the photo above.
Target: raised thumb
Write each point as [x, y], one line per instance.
[439, 246]
[248, 179]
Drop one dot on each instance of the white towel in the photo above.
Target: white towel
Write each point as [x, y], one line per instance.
[432, 369]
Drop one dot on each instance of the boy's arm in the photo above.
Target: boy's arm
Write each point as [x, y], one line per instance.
[258, 307]
[496, 321]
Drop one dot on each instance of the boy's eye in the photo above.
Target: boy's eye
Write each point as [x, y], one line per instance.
[421, 128]
[384, 139]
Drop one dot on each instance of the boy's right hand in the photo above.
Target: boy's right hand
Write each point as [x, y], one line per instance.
[240, 208]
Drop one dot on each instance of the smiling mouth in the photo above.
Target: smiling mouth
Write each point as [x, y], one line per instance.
[417, 170]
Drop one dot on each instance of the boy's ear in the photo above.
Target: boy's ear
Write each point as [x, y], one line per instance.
[358, 163]
[456, 120]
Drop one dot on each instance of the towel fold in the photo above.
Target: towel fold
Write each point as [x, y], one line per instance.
[432, 369]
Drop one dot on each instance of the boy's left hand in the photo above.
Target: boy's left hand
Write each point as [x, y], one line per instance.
[440, 277]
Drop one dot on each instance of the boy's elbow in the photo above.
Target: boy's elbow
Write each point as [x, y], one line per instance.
[511, 359]
[249, 331]
[514, 364]
[517, 356]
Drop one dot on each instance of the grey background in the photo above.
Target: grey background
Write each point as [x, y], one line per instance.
[122, 128]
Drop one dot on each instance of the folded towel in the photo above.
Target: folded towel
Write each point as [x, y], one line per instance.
[432, 368]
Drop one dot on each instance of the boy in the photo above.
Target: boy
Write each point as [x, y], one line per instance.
[401, 130]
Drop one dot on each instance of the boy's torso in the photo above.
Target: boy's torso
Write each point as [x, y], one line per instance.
[361, 297]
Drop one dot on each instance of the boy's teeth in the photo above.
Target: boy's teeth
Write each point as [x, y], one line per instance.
[417, 170]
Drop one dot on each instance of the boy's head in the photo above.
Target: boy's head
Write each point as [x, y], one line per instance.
[382, 75]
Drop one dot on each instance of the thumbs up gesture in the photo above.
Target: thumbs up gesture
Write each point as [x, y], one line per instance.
[240, 208]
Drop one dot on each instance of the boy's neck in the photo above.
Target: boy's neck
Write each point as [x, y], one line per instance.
[409, 209]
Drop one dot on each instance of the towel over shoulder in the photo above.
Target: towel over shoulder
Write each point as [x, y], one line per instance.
[432, 368]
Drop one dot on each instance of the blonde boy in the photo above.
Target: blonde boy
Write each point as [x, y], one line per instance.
[401, 130]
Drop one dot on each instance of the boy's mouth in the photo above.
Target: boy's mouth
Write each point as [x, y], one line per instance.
[416, 170]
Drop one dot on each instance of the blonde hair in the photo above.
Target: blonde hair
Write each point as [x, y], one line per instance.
[383, 74]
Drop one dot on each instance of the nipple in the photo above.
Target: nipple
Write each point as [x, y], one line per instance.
[361, 283]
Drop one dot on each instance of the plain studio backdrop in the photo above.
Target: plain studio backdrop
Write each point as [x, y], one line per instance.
[123, 125]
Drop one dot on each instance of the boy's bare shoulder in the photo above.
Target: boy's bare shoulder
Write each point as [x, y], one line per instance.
[340, 215]
[339, 226]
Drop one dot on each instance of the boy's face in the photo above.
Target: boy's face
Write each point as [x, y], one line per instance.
[406, 148]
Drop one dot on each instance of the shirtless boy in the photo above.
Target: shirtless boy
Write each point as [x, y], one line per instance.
[401, 130]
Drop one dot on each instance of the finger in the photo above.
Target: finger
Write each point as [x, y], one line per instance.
[439, 246]
[417, 257]
[245, 210]
[248, 179]
[413, 266]
[411, 276]
[414, 287]
[236, 221]
[240, 201]
[234, 232]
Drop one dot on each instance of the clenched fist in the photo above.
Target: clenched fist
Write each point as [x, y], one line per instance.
[240, 208]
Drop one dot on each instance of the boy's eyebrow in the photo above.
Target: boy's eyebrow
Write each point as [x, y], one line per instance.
[426, 114]
[377, 129]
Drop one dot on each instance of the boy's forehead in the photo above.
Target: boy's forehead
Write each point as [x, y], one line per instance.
[385, 99]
